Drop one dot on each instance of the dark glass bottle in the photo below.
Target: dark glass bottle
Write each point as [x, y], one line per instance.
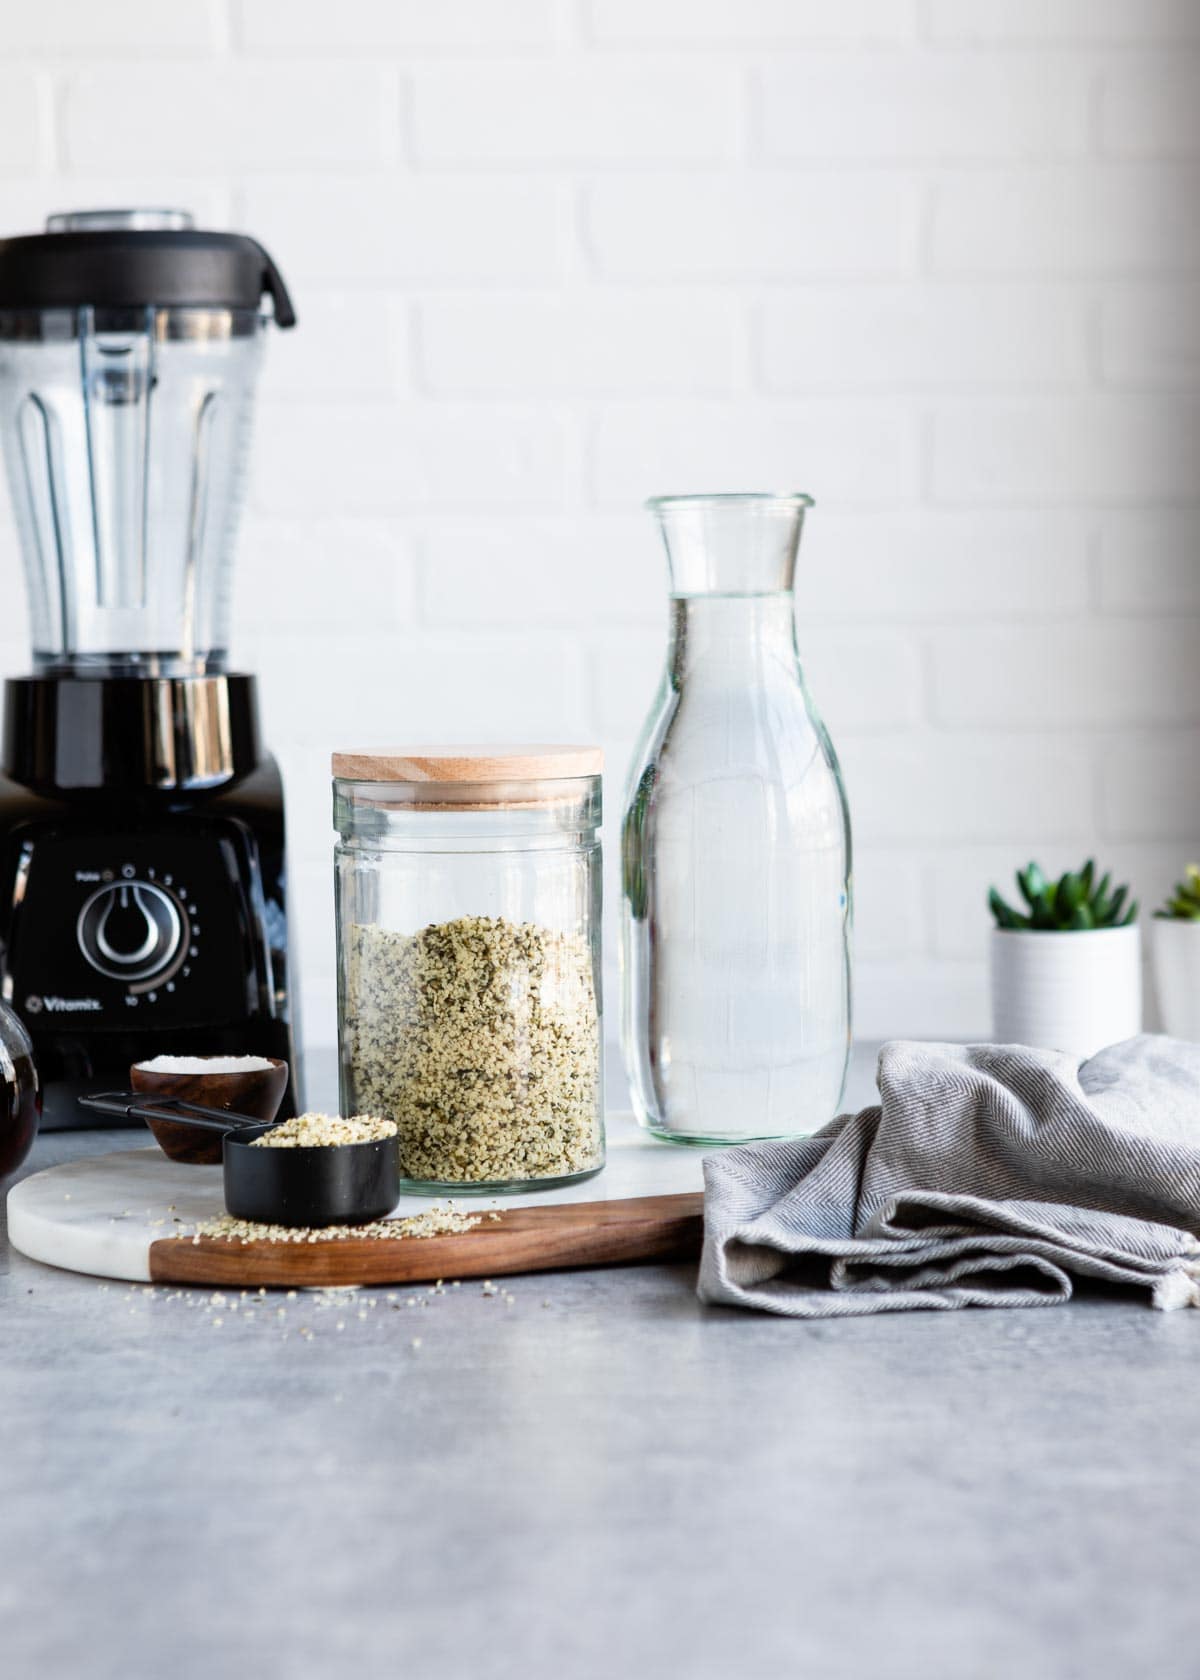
[20, 1093]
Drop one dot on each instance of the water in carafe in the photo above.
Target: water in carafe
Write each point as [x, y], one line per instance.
[736, 908]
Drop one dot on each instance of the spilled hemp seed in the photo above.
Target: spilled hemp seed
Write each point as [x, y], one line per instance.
[434, 1222]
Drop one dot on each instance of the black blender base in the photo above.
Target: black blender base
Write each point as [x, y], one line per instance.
[142, 903]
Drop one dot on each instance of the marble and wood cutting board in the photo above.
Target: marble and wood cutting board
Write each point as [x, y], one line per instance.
[131, 1215]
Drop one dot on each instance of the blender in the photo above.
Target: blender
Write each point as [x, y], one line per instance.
[142, 894]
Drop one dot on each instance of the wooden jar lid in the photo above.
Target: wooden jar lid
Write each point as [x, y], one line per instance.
[478, 764]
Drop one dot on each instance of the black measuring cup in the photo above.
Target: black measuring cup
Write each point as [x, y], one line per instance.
[329, 1184]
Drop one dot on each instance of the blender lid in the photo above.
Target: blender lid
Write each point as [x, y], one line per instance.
[122, 259]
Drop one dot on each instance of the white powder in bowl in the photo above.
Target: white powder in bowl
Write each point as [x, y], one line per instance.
[205, 1064]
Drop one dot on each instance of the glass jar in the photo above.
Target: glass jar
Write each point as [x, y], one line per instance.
[468, 889]
[736, 912]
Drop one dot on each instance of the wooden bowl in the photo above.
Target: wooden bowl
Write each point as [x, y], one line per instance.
[254, 1092]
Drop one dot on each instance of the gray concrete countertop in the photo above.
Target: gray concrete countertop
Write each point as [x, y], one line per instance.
[601, 1479]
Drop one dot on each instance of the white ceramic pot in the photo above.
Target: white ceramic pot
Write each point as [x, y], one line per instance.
[1066, 991]
[1176, 949]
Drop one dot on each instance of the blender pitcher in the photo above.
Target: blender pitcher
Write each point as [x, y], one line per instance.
[735, 915]
[125, 425]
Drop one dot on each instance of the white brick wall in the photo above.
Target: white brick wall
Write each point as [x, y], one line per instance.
[580, 113]
[927, 334]
[936, 261]
[915, 106]
[587, 343]
[1084, 221]
[295, 117]
[409, 229]
[661, 228]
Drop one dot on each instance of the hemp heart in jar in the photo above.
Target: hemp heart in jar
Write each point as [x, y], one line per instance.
[480, 1038]
[468, 883]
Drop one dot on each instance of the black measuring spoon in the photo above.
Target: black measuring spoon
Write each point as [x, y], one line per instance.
[326, 1184]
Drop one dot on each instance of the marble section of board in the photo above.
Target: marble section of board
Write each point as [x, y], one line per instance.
[99, 1214]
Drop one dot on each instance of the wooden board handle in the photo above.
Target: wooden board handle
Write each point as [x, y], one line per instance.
[524, 1239]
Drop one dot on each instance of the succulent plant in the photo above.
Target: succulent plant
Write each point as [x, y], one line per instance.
[1075, 903]
[1184, 903]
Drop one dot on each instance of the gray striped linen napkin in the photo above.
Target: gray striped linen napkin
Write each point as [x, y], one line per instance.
[988, 1175]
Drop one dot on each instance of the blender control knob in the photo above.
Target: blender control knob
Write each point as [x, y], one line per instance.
[130, 930]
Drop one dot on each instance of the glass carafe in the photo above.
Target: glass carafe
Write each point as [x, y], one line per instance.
[736, 900]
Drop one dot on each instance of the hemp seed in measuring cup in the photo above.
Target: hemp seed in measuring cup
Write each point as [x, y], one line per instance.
[468, 896]
[313, 1131]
